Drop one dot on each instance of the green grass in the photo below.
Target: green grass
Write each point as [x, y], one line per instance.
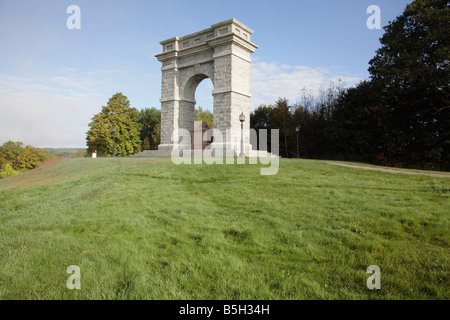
[144, 228]
[370, 165]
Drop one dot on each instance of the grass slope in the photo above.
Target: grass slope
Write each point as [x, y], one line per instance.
[148, 229]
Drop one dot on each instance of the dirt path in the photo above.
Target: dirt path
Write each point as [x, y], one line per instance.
[390, 170]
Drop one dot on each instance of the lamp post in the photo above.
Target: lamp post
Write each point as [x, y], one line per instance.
[114, 141]
[242, 119]
[297, 129]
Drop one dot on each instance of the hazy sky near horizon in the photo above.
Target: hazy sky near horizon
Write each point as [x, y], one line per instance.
[53, 80]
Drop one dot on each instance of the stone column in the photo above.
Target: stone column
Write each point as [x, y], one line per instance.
[170, 101]
[232, 50]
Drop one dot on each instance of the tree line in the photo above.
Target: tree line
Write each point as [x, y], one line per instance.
[400, 116]
[15, 158]
[136, 130]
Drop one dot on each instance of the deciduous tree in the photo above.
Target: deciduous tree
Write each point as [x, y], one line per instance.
[117, 113]
[204, 116]
[412, 68]
[149, 120]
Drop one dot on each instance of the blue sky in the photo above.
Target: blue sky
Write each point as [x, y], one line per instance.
[53, 80]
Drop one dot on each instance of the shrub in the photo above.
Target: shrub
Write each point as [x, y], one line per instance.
[7, 171]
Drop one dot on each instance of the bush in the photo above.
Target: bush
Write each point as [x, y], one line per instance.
[7, 171]
[15, 158]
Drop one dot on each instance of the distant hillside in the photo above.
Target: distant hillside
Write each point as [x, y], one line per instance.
[64, 152]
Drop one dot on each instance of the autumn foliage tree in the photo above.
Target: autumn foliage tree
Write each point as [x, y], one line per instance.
[6, 171]
[14, 158]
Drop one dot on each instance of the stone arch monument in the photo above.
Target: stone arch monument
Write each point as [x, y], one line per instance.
[220, 53]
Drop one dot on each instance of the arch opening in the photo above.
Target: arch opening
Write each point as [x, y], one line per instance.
[196, 92]
[194, 116]
[204, 110]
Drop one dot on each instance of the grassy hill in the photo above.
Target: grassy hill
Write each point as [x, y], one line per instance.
[144, 228]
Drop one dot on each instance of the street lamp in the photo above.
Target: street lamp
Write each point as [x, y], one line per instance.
[297, 129]
[242, 119]
[114, 141]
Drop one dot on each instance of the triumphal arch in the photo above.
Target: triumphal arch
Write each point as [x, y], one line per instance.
[220, 53]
